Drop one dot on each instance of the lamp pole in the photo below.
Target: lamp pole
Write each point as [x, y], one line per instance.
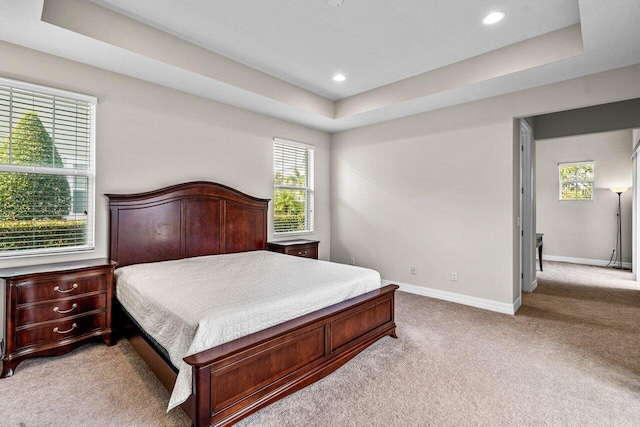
[619, 249]
[619, 191]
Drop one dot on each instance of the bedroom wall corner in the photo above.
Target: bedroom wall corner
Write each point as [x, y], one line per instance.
[149, 136]
[406, 196]
[438, 190]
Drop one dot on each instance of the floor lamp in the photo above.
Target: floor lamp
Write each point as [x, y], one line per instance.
[619, 191]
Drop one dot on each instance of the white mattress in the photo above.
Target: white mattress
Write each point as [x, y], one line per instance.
[193, 304]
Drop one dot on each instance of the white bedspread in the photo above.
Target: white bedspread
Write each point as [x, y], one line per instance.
[193, 304]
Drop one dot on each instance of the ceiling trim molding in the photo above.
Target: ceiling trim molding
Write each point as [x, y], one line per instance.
[545, 49]
[96, 22]
[88, 33]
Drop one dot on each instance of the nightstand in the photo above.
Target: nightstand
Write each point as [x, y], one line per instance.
[53, 308]
[298, 247]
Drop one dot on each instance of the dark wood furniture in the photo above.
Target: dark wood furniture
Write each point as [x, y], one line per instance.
[539, 245]
[299, 247]
[234, 379]
[52, 309]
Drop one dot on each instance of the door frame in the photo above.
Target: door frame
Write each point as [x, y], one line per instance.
[528, 282]
[635, 205]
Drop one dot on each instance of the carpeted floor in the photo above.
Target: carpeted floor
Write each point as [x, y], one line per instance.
[570, 357]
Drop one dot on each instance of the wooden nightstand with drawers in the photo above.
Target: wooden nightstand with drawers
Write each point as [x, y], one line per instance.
[52, 309]
[299, 247]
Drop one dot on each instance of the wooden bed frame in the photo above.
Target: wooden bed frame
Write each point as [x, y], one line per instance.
[233, 380]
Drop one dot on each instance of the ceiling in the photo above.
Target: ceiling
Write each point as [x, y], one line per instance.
[373, 42]
[277, 57]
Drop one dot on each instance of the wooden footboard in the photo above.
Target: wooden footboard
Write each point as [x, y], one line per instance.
[237, 378]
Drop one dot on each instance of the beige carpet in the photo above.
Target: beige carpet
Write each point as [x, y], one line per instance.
[570, 357]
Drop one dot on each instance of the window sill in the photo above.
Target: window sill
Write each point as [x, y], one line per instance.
[44, 252]
[293, 233]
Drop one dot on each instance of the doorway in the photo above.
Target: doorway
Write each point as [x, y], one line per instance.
[602, 118]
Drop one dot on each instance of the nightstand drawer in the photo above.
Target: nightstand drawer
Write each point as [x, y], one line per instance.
[60, 287]
[59, 309]
[309, 251]
[56, 331]
[298, 247]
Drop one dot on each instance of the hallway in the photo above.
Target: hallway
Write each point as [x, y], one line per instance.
[595, 312]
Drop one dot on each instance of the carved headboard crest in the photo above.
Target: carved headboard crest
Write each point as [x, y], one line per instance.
[185, 220]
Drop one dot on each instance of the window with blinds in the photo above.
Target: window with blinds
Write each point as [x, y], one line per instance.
[576, 180]
[47, 170]
[293, 187]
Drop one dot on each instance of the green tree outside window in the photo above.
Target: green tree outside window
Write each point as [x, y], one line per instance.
[34, 206]
[293, 187]
[576, 181]
[290, 206]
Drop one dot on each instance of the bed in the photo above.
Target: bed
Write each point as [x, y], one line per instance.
[235, 378]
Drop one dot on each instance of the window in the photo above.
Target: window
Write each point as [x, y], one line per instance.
[47, 170]
[293, 187]
[576, 181]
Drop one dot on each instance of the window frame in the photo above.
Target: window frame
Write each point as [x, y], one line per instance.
[89, 173]
[577, 181]
[309, 188]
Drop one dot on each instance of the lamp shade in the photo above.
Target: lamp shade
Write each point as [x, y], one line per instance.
[619, 189]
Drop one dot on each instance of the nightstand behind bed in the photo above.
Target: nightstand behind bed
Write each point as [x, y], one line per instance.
[298, 247]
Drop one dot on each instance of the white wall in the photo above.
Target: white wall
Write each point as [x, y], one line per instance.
[149, 137]
[439, 190]
[424, 201]
[585, 229]
[433, 201]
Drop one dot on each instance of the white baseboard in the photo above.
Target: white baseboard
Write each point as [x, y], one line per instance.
[534, 285]
[585, 261]
[517, 304]
[485, 304]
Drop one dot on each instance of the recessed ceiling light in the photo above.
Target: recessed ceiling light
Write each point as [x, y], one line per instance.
[339, 78]
[493, 17]
[335, 3]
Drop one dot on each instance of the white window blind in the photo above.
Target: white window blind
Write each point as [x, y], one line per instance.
[293, 187]
[47, 170]
[576, 180]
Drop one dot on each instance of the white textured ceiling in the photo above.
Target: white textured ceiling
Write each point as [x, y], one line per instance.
[276, 57]
[372, 42]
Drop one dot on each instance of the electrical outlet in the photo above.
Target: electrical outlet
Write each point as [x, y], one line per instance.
[353, 260]
[413, 271]
[454, 276]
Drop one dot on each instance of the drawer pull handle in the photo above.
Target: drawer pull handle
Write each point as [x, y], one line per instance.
[58, 331]
[73, 307]
[57, 289]
[302, 253]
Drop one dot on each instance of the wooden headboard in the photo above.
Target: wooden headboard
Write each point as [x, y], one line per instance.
[185, 220]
